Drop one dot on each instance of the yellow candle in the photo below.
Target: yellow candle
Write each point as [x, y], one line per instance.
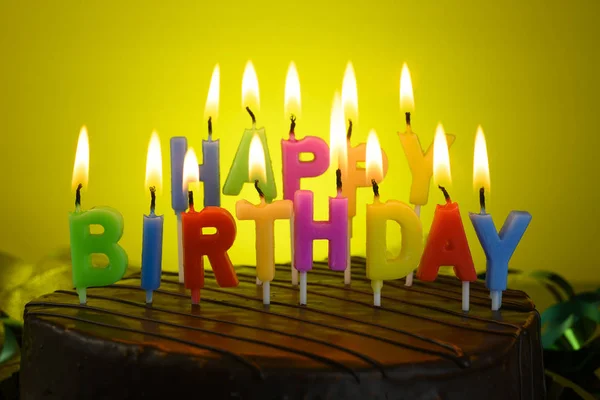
[419, 161]
[380, 265]
[264, 216]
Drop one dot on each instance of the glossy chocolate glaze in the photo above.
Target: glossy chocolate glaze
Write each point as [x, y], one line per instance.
[418, 345]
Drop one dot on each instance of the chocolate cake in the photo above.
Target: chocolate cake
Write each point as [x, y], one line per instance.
[418, 345]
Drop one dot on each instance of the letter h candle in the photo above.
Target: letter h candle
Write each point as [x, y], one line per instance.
[306, 230]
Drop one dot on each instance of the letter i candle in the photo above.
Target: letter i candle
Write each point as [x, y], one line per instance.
[264, 216]
[497, 246]
[294, 169]
[152, 240]
[84, 243]
[420, 162]
[447, 242]
[197, 243]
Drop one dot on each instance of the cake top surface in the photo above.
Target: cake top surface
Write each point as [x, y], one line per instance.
[418, 331]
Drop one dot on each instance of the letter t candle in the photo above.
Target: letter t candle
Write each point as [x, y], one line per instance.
[498, 247]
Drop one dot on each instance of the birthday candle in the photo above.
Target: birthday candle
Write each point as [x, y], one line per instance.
[210, 172]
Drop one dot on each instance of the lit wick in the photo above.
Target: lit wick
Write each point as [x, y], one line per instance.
[152, 199]
[191, 200]
[260, 192]
[375, 187]
[209, 128]
[292, 126]
[78, 197]
[482, 200]
[446, 195]
[407, 114]
[349, 134]
[251, 115]
[338, 180]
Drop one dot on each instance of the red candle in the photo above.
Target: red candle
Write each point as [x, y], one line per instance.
[198, 243]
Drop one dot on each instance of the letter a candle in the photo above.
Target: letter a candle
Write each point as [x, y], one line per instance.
[197, 244]
[295, 169]
[84, 243]
[447, 242]
[264, 216]
[420, 162]
[497, 246]
[380, 266]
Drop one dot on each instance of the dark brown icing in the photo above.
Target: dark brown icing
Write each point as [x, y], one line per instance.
[419, 344]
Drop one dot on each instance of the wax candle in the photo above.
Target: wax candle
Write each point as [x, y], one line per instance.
[264, 216]
[294, 169]
[497, 246]
[238, 173]
[84, 243]
[197, 243]
[353, 171]
[178, 146]
[210, 172]
[447, 241]
[420, 162]
[152, 240]
[380, 265]
[306, 230]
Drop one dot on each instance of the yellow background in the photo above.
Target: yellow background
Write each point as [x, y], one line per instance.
[526, 70]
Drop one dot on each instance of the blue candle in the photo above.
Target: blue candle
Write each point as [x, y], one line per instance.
[209, 171]
[499, 247]
[178, 196]
[152, 252]
[152, 241]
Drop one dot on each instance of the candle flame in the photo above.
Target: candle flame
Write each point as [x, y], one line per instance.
[81, 167]
[250, 93]
[481, 166]
[191, 172]
[374, 159]
[441, 158]
[292, 99]
[256, 161]
[154, 164]
[349, 94]
[338, 148]
[211, 109]
[407, 100]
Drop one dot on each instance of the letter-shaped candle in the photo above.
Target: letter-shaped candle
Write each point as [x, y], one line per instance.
[380, 266]
[294, 169]
[264, 216]
[197, 244]
[210, 171]
[353, 175]
[447, 242]
[420, 162]
[238, 173]
[83, 242]
[498, 247]
[306, 230]
[152, 241]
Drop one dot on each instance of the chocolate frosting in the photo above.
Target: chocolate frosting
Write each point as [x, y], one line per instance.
[418, 345]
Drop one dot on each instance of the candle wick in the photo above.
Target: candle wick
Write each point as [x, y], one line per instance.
[78, 197]
[375, 187]
[338, 179]
[407, 119]
[191, 200]
[260, 192]
[292, 125]
[209, 128]
[152, 199]
[349, 133]
[446, 195]
[251, 115]
[482, 199]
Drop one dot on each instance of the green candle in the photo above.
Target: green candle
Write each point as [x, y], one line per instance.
[238, 173]
[84, 243]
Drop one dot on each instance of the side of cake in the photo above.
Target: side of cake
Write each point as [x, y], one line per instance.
[419, 345]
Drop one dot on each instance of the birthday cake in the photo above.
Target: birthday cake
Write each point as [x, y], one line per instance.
[418, 345]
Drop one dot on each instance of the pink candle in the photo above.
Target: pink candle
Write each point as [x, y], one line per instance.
[306, 230]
